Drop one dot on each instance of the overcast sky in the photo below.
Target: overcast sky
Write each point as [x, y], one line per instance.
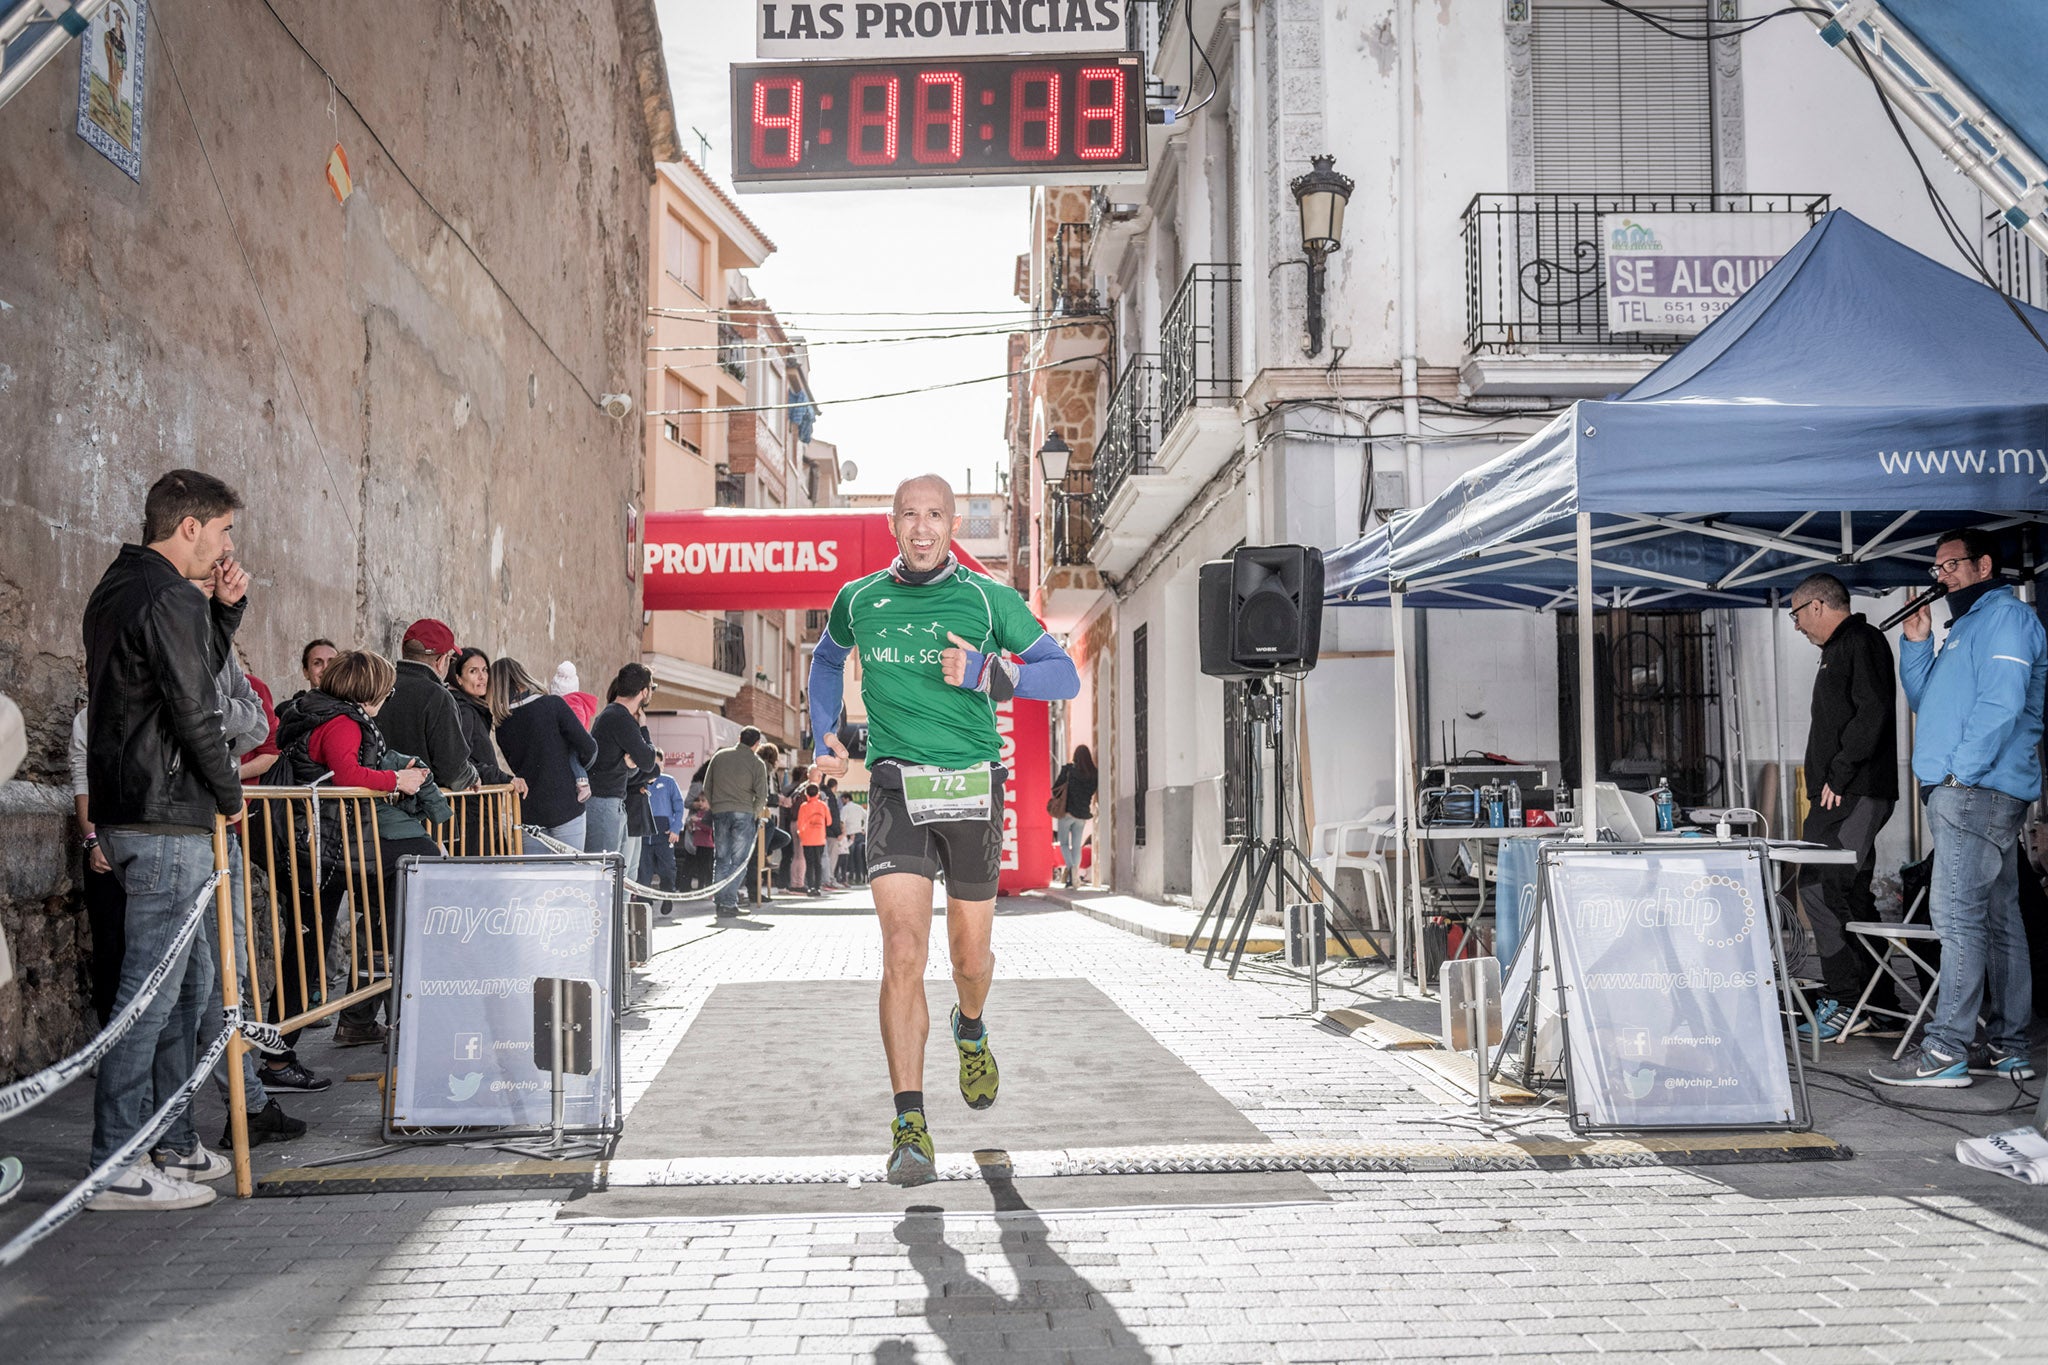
[841, 251]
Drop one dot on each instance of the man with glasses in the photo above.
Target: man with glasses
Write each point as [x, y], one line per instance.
[1852, 783]
[1976, 758]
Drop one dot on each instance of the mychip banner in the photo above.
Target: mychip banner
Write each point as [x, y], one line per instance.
[475, 933]
[1668, 973]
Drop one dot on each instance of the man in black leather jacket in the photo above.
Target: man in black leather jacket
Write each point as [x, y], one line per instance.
[158, 770]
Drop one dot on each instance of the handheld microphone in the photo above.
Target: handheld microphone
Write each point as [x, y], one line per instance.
[1928, 598]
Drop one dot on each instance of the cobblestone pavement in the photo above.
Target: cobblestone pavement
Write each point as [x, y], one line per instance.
[1900, 1255]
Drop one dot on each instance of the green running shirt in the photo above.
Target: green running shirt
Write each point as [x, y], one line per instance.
[899, 631]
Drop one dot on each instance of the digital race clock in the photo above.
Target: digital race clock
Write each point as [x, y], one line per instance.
[992, 121]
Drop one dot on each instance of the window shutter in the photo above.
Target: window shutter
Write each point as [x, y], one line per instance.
[1618, 106]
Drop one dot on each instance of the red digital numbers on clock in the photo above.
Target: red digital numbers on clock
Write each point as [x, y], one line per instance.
[1020, 119]
[789, 122]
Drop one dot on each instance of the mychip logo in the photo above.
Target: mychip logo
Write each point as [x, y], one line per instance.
[1718, 910]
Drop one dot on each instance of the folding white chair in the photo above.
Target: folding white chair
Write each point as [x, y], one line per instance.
[1361, 844]
[1882, 939]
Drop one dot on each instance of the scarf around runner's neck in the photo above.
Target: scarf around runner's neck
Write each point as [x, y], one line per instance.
[903, 573]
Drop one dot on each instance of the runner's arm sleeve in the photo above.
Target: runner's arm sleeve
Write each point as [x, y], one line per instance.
[1041, 673]
[827, 687]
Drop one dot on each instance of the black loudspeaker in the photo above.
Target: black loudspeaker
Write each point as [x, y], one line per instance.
[1262, 611]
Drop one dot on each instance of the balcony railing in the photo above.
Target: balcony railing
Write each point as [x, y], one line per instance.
[1536, 276]
[1130, 431]
[729, 648]
[731, 490]
[1070, 519]
[732, 351]
[1198, 342]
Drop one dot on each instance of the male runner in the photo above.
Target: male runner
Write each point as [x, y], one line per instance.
[932, 638]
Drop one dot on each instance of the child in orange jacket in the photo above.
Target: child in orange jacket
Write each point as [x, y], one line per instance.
[812, 818]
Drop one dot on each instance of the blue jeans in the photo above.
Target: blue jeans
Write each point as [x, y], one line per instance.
[732, 844]
[1974, 904]
[604, 824]
[569, 832]
[162, 874]
[1070, 828]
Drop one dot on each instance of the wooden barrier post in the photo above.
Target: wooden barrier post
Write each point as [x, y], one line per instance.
[231, 999]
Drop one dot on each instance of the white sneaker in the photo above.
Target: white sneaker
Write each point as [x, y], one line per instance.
[143, 1187]
[195, 1165]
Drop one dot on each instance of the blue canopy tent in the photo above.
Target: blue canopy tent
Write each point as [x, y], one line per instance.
[1858, 399]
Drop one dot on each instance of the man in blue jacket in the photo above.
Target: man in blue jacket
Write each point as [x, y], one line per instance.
[1976, 757]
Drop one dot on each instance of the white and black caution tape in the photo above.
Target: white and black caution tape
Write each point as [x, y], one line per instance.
[26, 1094]
[111, 1170]
[702, 893]
[267, 1039]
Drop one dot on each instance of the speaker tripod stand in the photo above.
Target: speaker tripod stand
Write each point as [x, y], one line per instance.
[1258, 862]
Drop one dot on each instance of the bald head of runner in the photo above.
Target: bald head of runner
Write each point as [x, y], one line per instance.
[924, 519]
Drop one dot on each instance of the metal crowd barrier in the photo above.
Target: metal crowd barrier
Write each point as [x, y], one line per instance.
[321, 862]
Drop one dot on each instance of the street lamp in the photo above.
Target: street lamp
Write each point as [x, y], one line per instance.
[1321, 195]
[1052, 458]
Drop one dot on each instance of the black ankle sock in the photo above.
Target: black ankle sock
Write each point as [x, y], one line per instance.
[969, 1030]
[909, 1101]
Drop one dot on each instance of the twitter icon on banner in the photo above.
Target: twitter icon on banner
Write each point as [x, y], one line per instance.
[464, 1087]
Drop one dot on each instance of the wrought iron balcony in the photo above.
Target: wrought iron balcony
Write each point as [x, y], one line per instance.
[1130, 431]
[1070, 519]
[731, 490]
[1536, 274]
[729, 648]
[1198, 342]
[732, 351]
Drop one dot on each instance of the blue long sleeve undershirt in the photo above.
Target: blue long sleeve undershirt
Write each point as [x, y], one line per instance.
[1044, 673]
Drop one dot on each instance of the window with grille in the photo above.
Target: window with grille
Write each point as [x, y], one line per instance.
[1141, 733]
[1616, 105]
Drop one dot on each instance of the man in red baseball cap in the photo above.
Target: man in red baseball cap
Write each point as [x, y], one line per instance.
[420, 718]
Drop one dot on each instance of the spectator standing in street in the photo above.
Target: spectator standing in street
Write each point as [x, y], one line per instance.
[419, 716]
[813, 818]
[469, 686]
[334, 730]
[1074, 801]
[545, 746]
[623, 754]
[158, 772]
[1976, 756]
[106, 908]
[779, 840]
[791, 801]
[665, 809]
[853, 868]
[736, 792]
[1852, 783]
[835, 832]
[313, 660]
[699, 846]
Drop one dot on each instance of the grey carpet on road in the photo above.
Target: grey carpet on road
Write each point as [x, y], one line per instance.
[796, 1069]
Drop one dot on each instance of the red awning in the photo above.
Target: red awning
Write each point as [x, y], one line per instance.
[762, 559]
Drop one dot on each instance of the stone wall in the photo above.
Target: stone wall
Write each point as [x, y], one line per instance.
[404, 386]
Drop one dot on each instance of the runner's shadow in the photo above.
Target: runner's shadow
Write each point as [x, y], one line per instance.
[976, 1322]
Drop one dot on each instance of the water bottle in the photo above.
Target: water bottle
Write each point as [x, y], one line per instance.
[1514, 805]
[1667, 807]
[1496, 813]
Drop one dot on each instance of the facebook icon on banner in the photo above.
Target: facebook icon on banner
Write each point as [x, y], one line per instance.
[469, 1047]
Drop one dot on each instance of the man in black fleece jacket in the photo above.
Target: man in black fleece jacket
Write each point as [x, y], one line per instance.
[1852, 780]
[623, 755]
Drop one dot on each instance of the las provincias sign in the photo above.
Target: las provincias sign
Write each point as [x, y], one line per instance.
[786, 30]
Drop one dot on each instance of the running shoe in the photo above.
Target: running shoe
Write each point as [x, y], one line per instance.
[1831, 1019]
[289, 1075]
[979, 1077]
[1926, 1066]
[1996, 1061]
[911, 1160]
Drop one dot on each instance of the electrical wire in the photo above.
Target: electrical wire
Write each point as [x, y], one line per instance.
[1187, 10]
[256, 285]
[850, 312]
[744, 345]
[434, 208]
[873, 397]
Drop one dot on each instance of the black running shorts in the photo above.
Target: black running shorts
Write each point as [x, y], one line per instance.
[968, 853]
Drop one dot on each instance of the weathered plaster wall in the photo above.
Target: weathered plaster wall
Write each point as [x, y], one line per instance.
[411, 420]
